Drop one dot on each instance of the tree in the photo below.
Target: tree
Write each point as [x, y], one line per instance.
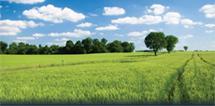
[104, 41]
[155, 41]
[98, 47]
[88, 44]
[54, 49]
[31, 49]
[185, 48]
[115, 46]
[171, 41]
[127, 47]
[3, 47]
[12, 48]
[69, 47]
[21, 48]
[79, 48]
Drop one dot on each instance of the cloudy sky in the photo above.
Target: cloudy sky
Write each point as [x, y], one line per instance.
[49, 22]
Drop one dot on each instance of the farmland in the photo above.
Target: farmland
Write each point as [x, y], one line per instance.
[109, 78]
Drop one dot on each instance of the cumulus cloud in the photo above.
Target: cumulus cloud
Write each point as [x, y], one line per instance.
[141, 33]
[146, 19]
[172, 18]
[12, 27]
[210, 25]
[86, 24]
[113, 11]
[54, 14]
[25, 38]
[38, 35]
[188, 23]
[208, 10]
[76, 33]
[157, 9]
[26, 1]
[107, 28]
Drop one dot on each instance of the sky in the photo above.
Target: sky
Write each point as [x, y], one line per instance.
[50, 22]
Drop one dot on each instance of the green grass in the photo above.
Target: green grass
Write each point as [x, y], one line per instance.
[119, 78]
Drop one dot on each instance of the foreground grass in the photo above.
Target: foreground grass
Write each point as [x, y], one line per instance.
[128, 78]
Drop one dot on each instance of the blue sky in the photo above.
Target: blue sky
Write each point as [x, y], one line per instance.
[55, 21]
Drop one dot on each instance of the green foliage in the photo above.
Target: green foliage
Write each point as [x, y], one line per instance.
[3, 47]
[115, 46]
[171, 42]
[185, 48]
[155, 41]
[87, 45]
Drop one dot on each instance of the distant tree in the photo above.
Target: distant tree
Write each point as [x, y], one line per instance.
[54, 49]
[88, 44]
[98, 47]
[127, 47]
[31, 49]
[3, 47]
[69, 47]
[155, 41]
[171, 42]
[185, 48]
[21, 48]
[115, 46]
[79, 48]
[13, 48]
[104, 41]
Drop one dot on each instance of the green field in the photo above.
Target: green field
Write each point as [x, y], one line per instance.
[116, 78]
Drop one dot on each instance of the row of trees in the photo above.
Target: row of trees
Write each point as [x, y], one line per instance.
[157, 41]
[87, 45]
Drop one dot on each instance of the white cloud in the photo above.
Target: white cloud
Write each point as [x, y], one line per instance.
[77, 33]
[38, 35]
[141, 33]
[113, 11]
[61, 39]
[26, 1]
[54, 14]
[172, 18]
[86, 24]
[188, 23]
[157, 9]
[107, 28]
[146, 19]
[208, 10]
[25, 38]
[12, 27]
[210, 25]
[188, 36]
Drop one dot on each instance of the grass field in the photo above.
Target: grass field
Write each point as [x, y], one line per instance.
[117, 78]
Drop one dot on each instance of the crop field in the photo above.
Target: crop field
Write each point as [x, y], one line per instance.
[109, 78]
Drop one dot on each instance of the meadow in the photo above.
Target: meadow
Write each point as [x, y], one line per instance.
[109, 78]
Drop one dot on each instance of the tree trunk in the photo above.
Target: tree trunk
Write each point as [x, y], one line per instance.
[155, 52]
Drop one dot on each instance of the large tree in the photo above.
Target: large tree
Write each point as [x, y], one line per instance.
[155, 41]
[171, 42]
[98, 47]
[3, 47]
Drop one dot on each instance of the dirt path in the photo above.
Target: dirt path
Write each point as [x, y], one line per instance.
[178, 82]
[205, 61]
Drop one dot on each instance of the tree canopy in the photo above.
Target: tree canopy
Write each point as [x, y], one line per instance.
[171, 42]
[155, 41]
[87, 45]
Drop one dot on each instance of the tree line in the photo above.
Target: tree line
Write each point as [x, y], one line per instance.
[86, 46]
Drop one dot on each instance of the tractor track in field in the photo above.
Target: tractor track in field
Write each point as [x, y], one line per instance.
[69, 64]
[205, 61]
[178, 81]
